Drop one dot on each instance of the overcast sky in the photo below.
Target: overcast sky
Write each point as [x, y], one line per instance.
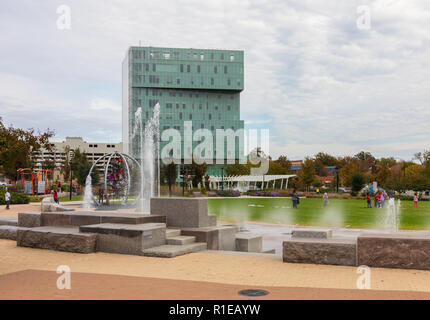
[314, 78]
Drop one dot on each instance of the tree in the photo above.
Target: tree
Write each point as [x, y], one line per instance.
[276, 168]
[284, 162]
[423, 157]
[322, 160]
[307, 173]
[237, 169]
[349, 166]
[415, 178]
[48, 164]
[357, 182]
[17, 147]
[81, 168]
[382, 174]
[65, 166]
[198, 171]
[366, 160]
[169, 172]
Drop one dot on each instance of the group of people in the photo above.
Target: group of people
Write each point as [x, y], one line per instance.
[379, 199]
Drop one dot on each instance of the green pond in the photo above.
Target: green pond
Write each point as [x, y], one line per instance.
[348, 213]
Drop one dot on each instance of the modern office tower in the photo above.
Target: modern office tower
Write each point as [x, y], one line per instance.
[198, 85]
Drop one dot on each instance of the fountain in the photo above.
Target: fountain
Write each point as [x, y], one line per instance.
[391, 217]
[148, 150]
[88, 193]
[149, 172]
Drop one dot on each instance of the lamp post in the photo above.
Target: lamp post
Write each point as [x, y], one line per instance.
[70, 187]
[183, 179]
[222, 178]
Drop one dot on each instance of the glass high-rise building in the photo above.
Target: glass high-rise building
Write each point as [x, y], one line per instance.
[198, 85]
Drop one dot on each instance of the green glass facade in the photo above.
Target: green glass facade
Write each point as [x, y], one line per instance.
[198, 85]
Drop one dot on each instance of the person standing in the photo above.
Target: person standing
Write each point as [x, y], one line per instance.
[325, 199]
[295, 199]
[7, 199]
[382, 200]
[415, 200]
[369, 201]
[100, 195]
[376, 199]
[55, 195]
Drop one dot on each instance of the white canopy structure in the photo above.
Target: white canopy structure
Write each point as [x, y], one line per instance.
[245, 183]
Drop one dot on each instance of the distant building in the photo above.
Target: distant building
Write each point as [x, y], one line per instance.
[201, 86]
[296, 165]
[93, 150]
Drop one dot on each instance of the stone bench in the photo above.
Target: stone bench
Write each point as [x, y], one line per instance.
[79, 218]
[248, 242]
[321, 251]
[217, 238]
[57, 238]
[170, 251]
[127, 238]
[8, 221]
[311, 233]
[29, 219]
[401, 250]
[9, 232]
[183, 212]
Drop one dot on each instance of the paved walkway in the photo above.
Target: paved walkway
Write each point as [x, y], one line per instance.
[249, 271]
[199, 271]
[36, 284]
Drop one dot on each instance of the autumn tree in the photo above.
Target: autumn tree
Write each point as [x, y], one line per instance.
[349, 166]
[307, 173]
[284, 162]
[17, 147]
[322, 160]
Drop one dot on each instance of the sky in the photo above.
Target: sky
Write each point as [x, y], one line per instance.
[332, 76]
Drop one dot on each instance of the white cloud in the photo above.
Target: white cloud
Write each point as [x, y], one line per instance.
[319, 82]
[103, 104]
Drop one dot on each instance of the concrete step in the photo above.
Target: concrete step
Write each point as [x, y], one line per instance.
[127, 238]
[10, 232]
[82, 218]
[8, 221]
[172, 233]
[179, 240]
[57, 238]
[170, 251]
[248, 242]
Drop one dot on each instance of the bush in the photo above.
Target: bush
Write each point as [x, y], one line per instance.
[15, 198]
[357, 182]
[228, 193]
[267, 194]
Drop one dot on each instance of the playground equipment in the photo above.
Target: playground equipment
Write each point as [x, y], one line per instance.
[35, 182]
[120, 175]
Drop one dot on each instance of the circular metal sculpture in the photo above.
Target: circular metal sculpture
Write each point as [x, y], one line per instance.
[120, 173]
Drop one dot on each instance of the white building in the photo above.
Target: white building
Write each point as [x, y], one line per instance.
[93, 150]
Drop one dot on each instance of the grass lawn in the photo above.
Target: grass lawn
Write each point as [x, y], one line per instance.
[340, 213]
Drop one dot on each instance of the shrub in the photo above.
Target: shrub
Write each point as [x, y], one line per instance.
[15, 198]
[228, 193]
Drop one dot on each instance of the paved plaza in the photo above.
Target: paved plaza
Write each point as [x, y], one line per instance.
[27, 273]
